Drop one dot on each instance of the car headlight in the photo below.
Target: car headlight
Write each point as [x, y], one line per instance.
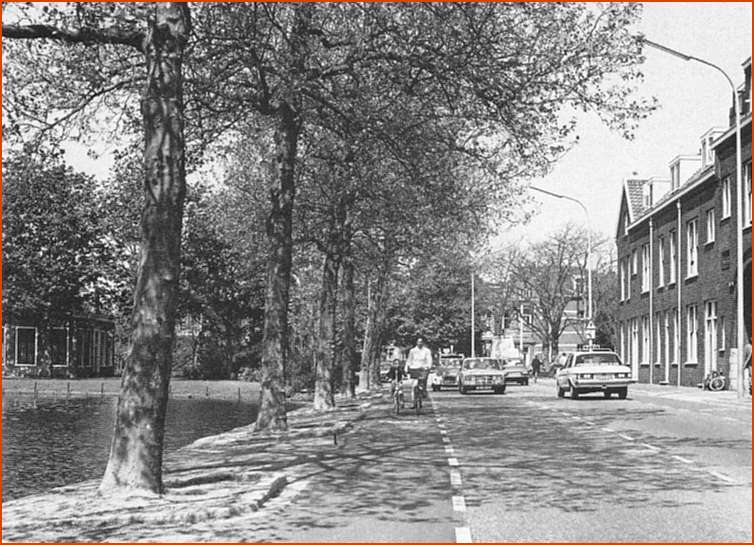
[586, 375]
[623, 375]
[499, 380]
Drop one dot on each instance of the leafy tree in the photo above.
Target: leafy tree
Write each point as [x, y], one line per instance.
[53, 246]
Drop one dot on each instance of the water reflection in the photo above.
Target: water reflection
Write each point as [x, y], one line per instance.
[56, 441]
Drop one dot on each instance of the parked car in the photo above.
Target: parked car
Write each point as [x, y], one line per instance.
[445, 374]
[593, 371]
[516, 372]
[481, 374]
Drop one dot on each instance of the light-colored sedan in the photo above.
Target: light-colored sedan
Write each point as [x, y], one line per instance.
[516, 372]
[481, 374]
[593, 371]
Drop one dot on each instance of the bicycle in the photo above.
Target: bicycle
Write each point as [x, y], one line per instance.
[715, 381]
[399, 398]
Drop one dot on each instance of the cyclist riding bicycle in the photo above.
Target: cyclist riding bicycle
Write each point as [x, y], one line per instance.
[418, 364]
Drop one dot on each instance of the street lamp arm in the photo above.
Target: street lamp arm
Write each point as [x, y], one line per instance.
[686, 57]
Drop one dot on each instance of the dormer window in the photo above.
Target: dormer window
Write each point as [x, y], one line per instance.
[675, 176]
[625, 225]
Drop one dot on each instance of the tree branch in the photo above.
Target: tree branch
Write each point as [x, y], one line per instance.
[82, 36]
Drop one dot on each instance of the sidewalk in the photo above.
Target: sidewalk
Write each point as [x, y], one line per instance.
[690, 394]
[212, 481]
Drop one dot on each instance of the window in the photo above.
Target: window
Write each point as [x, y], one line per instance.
[59, 346]
[634, 263]
[645, 339]
[645, 265]
[675, 176]
[634, 342]
[692, 243]
[673, 257]
[710, 225]
[622, 279]
[625, 225]
[661, 262]
[747, 191]
[658, 337]
[26, 346]
[667, 338]
[676, 336]
[628, 279]
[725, 195]
[691, 334]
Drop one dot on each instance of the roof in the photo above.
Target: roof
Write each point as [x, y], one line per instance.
[634, 197]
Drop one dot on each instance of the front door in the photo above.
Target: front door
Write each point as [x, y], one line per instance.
[710, 337]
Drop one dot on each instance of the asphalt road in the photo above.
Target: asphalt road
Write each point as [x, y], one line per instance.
[538, 468]
[527, 466]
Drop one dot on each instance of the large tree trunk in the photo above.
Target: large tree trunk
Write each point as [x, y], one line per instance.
[323, 385]
[136, 451]
[348, 354]
[279, 233]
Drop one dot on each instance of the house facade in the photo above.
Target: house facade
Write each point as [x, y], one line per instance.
[61, 345]
[676, 249]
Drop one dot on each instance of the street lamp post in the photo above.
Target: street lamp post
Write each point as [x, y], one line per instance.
[739, 210]
[588, 243]
[473, 351]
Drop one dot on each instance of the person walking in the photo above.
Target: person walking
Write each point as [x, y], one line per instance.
[535, 367]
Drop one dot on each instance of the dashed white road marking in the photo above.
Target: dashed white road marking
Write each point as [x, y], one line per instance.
[682, 459]
[576, 417]
[463, 534]
[626, 437]
[449, 450]
[651, 447]
[459, 503]
[453, 462]
[589, 423]
[565, 413]
[445, 439]
[455, 477]
[608, 430]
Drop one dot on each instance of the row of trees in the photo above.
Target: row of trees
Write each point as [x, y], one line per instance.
[363, 139]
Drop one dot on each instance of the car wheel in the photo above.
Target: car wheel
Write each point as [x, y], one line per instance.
[561, 391]
[574, 393]
[499, 390]
[461, 390]
[608, 394]
[623, 393]
[526, 382]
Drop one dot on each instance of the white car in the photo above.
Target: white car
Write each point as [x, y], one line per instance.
[482, 374]
[593, 371]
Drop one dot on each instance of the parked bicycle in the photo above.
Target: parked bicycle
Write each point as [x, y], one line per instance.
[715, 381]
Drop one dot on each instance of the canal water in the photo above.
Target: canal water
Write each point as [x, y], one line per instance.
[55, 441]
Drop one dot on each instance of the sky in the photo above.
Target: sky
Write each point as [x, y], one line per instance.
[692, 98]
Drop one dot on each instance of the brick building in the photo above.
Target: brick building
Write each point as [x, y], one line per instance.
[676, 242]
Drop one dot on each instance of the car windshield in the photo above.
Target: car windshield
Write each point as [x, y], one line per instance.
[450, 362]
[512, 363]
[597, 359]
[482, 363]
